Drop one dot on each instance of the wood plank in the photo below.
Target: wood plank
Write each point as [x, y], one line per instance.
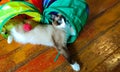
[1, 38]
[6, 48]
[110, 64]
[43, 63]
[98, 6]
[117, 69]
[65, 67]
[100, 49]
[19, 57]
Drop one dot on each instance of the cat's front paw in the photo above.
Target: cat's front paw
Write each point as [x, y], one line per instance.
[9, 39]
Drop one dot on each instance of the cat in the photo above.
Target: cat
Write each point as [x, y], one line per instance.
[45, 34]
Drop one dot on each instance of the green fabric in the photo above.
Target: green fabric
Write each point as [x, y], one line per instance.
[12, 9]
[73, 10]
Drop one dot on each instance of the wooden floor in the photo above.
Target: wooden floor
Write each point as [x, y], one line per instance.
[97, 47]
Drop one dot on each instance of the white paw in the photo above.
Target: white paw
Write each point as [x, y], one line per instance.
[75, 66]
[9, 39]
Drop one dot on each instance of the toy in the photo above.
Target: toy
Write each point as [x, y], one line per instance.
[27, 27]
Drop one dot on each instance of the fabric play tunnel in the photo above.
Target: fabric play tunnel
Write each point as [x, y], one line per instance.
[12, 9]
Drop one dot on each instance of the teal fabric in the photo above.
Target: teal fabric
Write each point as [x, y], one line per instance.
[75, 11]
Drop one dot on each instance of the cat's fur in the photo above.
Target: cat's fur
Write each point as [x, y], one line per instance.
[49, 35]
